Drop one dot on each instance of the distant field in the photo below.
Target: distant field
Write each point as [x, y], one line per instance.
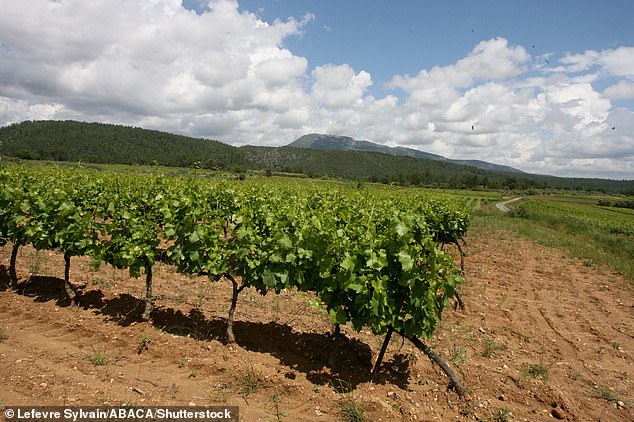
[596, 234]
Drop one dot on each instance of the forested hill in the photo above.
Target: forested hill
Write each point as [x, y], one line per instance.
[105, 143]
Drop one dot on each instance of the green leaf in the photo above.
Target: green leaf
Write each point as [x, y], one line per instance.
[338, 316]
[406, 260]
[348, 263]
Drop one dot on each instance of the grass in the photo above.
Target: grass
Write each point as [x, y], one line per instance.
[458, 356]
[491, 347]
[36, 261]
[97, 357]
[605, 393]
[502, 414]
[536, 371]
[525, 337]
[578, 226]
[276, 404]
[351, 411]
[247, 382]
[143, 343]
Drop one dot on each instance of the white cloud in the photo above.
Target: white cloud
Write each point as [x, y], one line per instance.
[617, 62]
[622, 90]
[339, 86]
[227, 74]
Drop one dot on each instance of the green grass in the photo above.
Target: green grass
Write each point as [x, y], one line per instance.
[351, 411]
[143, 343]
[458, 356]
[502, 414]
[536, 371]
[247, 382]
[491, 347]
[589, 233]
[604, 393]
[97, 357]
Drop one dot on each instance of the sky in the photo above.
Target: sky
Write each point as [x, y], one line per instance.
[543, 86]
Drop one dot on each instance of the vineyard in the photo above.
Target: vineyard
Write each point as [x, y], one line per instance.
[373, 260]
[301, 299]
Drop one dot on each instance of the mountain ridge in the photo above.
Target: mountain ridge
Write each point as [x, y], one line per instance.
[321, 141]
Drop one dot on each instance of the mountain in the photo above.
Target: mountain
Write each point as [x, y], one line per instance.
[346, 143]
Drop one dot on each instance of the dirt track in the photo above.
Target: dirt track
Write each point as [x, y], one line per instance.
[559, 334]
[502, 206]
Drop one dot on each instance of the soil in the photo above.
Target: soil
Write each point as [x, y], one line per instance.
[543, 337]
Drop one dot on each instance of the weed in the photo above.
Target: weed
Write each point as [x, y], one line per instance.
[3, 333]
[588, 263]
[467, 411]
[97, 357]
[536, 371]
[606, 394]
[574, 375]
[458, 356]
[276, 401]
[616, 345]
[491, 347]
[101, 283]
[35, 263]
[173, 390]
[95, 264]
[220, 394]
[623, 375]
[351, 411]
[201, 295]
[525, 337]
[247, 382]
[502, 414]
[143, 344]
[193, 370]
[181, 362]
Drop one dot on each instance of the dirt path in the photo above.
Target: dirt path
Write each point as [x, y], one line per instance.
[543, 337]
[502, 206]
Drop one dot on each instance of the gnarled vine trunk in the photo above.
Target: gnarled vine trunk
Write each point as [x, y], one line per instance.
[13, 277]
[72, 295]
[148, 293]
[234, 301]
[454, 381]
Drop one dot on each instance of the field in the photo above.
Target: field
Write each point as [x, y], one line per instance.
[598, 235]
[545, 334]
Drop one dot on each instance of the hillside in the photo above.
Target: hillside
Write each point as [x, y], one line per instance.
[346, 143]
[106, 143]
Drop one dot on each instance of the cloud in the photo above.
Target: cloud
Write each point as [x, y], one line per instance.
[490, 60]
[622, 90]
[339, 86]
[617, 62]
[213, 70]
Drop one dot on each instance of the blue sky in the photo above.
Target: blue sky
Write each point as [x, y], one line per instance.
[543, 86]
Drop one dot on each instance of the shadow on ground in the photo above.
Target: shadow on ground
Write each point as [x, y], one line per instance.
[339, 361]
